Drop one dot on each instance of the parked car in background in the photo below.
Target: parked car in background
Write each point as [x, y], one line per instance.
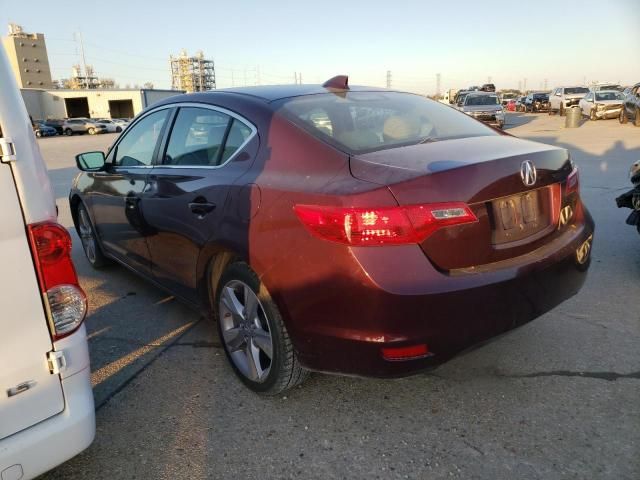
[520, 103]
[631, 106]
[82, 125]
[507, 96]
[564, 97]
[43, 130]
[46, 402]
[488, 87]
[536, 102]
[484, 106]
[460, 96]
[121, 122]
[111, 125]
[54, 123]
[430, 219]
[601, 104]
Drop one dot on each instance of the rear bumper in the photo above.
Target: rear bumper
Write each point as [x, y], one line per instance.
[401, 300]
[51, 442]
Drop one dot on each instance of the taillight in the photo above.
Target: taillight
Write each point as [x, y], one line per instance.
[384, 225]
[66, 302]
[573, 182]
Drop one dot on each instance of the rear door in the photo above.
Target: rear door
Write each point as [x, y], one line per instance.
[207, 150]
[29, 393]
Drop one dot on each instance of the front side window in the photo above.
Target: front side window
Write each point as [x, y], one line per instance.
[360, 122]
[137, 147]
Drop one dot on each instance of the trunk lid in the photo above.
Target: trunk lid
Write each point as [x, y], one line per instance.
[485, 173]
[29, 393]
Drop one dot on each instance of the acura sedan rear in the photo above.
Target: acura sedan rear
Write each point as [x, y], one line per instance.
[349, 230]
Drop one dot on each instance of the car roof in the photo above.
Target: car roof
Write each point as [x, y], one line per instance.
[271, 93]
[478, 94]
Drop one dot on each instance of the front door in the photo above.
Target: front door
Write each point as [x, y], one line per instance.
[116, 196]
[186, 196]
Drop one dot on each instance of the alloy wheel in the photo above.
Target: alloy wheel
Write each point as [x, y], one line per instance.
[245, 330]
[86, 235]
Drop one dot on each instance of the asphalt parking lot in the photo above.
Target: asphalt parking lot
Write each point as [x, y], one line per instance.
[556, 399]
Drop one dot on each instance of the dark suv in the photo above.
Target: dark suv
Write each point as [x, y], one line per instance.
[536, 102]
[631, 106]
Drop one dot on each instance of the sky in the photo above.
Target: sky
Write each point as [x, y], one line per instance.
[267, 42]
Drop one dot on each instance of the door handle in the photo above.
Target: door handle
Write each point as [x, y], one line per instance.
[201, 208]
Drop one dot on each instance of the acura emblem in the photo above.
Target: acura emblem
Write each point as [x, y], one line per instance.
[528, 173]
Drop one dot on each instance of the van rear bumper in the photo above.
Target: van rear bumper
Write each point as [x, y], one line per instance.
[51, 442]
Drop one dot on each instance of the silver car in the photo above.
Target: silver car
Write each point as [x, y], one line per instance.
[484, 106]
[602, 104]
[82, 125]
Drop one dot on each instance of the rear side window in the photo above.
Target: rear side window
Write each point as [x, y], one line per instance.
[361, 122]
[204, 137]
[137, 147]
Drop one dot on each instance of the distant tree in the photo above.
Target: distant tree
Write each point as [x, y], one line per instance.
[148, 86]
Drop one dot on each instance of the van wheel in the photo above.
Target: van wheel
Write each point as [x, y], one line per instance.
[253, 334]
[622, 118]
[89, 240]
[68, 132]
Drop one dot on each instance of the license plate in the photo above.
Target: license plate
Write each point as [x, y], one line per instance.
[520, 216]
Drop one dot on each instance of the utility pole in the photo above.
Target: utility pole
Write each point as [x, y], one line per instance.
[300, 78]
[438, 85]
[84, 61]
[388, 78]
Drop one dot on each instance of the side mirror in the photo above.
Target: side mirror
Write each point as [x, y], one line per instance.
[90, 161]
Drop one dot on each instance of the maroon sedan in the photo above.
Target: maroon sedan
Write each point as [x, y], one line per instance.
[350, 230]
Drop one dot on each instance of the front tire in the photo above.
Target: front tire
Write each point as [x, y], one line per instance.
[253, 333]
[622, 118]
[89, 239]
[68, 132]
[91, 131]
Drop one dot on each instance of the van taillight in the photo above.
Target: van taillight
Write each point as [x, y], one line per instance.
[66, 302]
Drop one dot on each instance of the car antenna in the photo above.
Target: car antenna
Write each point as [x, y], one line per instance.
[339, 82]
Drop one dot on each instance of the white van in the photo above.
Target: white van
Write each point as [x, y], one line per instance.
[46, 402]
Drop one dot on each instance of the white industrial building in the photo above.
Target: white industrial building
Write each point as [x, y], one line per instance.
[93, 103]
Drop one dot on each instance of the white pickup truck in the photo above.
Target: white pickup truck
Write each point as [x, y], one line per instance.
[46, 401]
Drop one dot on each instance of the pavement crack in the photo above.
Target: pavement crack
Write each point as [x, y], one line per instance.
[608, 376]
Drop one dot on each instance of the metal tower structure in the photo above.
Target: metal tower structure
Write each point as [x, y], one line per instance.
[192, 74]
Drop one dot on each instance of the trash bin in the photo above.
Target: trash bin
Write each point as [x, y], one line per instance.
[574, 115]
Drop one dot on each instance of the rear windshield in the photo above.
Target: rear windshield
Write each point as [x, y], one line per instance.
[543, 96]
[481, 100]
[361, 122]
[574, 90]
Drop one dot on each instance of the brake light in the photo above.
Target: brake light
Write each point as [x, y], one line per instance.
[384, 225]
[66, 302]
[573, 182]
[405, 353]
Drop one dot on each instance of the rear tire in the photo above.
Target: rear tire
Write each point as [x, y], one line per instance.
[68, 132]
[89, 239]
[250, 328]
